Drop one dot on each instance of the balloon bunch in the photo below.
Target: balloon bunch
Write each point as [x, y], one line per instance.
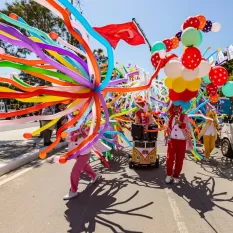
[184, 74]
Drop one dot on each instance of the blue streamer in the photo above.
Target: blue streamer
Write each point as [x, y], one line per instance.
[98, 37]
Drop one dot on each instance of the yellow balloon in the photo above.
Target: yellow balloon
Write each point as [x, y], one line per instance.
[179, 85]
[168, 82]
[194, 85]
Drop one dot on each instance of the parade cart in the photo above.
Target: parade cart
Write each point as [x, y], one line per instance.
[144, 151]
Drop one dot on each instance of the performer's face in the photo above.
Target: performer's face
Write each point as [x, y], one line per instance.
[176, 110]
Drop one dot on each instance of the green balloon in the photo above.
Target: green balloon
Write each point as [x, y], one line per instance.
[227, 89]
[201, 38]
[206, 79]
[190, 37]
[157, 46]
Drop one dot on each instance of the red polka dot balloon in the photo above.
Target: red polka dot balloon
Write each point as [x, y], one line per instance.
[191, 22]
[211, 89]
[155, 58]
[169, 44]
[191, 58]
[218, 75]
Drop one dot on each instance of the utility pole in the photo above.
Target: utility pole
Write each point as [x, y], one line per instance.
[144, 35]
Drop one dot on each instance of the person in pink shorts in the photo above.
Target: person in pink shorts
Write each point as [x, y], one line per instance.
[81, 164]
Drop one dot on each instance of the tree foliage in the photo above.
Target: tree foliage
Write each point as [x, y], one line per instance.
[36, 16]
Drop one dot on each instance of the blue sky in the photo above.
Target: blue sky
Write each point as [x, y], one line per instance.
[159, 20]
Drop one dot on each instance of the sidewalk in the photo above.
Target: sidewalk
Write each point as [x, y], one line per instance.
[15, 151]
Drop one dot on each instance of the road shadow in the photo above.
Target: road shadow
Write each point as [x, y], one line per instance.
[145, 176]
[95, 205]
[201, 196]
[219, 166]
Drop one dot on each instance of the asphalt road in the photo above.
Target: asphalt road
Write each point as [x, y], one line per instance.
[18, 126]
[123, 201]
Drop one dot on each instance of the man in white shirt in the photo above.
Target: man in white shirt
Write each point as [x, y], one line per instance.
[178, 133]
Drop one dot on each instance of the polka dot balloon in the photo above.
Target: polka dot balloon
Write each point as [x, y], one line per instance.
[211, 89]
[191, 58]
[208, 26]
[178, 35]
[155, 58]
[218, 75]
[168, 44]
[191, 22]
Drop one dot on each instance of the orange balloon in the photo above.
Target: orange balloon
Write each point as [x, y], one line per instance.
[175, 42]
[202, 20]
[214, 98]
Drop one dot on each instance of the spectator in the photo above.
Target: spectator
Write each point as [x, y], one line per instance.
[60, 107]
[47, 134]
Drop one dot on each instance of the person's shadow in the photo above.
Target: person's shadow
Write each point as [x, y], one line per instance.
[88, 209]
[200, 195]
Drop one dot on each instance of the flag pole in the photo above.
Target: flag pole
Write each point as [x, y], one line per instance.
[144, 35]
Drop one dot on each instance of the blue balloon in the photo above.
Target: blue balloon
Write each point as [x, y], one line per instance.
[158, 46]
[206, 79]
[98, 37]
[227, 89]
[185, 105]
[177, 103]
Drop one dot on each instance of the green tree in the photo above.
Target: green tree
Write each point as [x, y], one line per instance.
[36, 16]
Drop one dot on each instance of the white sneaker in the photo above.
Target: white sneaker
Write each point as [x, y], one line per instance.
[206, 159]
[168, 179]
[98, 176]
[70, 195]
[176, 181]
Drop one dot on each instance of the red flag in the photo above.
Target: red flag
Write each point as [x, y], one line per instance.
[128, 32]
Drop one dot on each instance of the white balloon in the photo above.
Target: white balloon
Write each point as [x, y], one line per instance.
[162, 54]
[173, 69]
[216, 27]
[204, 68]
[188, 74]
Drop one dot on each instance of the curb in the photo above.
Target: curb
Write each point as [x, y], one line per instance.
[26, 158]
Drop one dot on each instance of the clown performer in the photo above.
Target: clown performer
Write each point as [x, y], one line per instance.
[81, 165]
[179, 140]
[209, 133]
[142, 116]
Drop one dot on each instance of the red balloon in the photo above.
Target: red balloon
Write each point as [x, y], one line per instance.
[211, 89]
[173, 95]
[218, 75]
[183, 96]
[191, 58]
[187, 95]
[155, 58]
[191, 22]
[169, 44]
